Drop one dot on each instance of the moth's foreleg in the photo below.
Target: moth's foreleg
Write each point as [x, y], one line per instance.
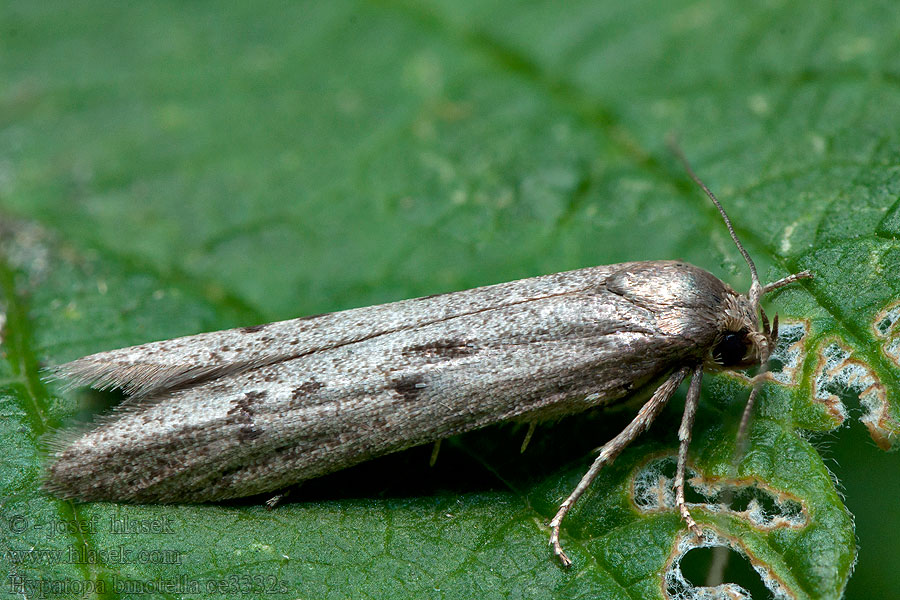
[684, 439]
[786, 281]
[276, 500]
[612, 449]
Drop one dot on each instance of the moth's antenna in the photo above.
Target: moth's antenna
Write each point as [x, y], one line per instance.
[756, 288]
[755, 294]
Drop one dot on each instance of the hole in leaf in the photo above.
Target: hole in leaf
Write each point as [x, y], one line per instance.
[718, 567]
[885, 322]
[841, 378]
[886, 327]
[787, 357]
[710, 567]
[653, 491]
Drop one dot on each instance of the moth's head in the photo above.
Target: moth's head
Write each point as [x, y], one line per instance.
[743, 340]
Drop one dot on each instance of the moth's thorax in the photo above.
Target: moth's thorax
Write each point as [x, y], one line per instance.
[685, 300]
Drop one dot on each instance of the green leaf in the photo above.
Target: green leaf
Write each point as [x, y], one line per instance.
[167, 169]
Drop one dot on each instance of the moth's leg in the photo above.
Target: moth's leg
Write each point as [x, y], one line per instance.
[277, 499]
[745, 418]
[684, 438]
[612, 449]
[531, 427]
[786, 281]
[434, 453]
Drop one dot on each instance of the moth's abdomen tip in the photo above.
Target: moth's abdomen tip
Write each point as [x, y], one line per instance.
[79, 476]
[68, 479]
[82, 466]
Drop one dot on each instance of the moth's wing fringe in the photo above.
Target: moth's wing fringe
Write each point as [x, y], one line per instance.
[138, 380]
[57, 439]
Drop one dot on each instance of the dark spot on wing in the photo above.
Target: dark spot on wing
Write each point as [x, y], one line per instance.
[254, 328]
[244, 407]
[442, 349]
[306, 389]
[408, 388]
[242, 414]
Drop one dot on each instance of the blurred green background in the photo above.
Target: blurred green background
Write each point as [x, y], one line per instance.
[170, 168]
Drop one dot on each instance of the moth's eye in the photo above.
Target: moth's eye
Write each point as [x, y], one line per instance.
[731, 350]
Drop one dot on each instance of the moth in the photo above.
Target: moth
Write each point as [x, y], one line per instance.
[257, 409]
